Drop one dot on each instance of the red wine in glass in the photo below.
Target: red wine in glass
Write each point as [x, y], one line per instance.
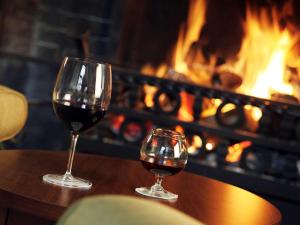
[161, 167]
[78, 117]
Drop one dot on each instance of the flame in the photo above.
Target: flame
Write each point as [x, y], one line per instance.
[149, 95]
[185, 112]
[117, 121]
[188, 34]
[196, 144]
[261, 61]
[256, 112]
[212, 107]
[148, 89]
[235, 151]
[263, 55]
[209, 146]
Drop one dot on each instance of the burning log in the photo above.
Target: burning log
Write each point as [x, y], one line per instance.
[226, 80]
[196, 55]
[174, 75]
[200, 69]
[208, 69]
[284, 98]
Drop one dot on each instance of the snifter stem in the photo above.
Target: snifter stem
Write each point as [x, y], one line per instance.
[157, 187]
[158, 179]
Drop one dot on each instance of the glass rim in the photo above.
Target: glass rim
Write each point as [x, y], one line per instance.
[167, 133]
[87, 60]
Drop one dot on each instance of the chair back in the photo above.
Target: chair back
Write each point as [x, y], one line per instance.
[13, 112]
[122, 210]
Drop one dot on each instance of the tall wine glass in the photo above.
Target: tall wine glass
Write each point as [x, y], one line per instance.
[163, 153]
[80, 99]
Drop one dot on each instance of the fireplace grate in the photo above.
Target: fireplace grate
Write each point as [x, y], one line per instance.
[268, 159]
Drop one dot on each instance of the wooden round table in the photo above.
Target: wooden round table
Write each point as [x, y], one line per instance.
[25, 199]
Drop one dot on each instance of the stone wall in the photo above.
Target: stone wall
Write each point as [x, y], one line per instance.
[51, 29]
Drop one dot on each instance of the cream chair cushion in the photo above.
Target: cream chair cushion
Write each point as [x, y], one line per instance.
[123, 210]
[13, 112]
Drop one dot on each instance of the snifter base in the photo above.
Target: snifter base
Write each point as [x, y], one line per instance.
[161, 194]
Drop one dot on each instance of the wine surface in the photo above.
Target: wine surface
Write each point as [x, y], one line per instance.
[162, 170]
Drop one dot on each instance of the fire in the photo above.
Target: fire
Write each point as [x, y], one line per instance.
[209, 146]
[185, 111]
[150, 90]
[117, 121]
[196, 144]
[262, 59]
[235, 151]
[188, 34]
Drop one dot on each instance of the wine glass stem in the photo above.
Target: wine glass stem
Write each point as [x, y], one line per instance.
[71, 154]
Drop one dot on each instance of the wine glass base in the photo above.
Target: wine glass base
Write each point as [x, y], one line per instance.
[156, 194]
[67, 181]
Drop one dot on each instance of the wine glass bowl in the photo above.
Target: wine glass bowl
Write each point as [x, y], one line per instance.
[163, 153]
[80, 99]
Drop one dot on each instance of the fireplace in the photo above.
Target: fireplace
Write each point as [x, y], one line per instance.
[191, 66]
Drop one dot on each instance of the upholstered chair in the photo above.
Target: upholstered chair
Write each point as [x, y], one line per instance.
[123, 210]
[13, 112]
